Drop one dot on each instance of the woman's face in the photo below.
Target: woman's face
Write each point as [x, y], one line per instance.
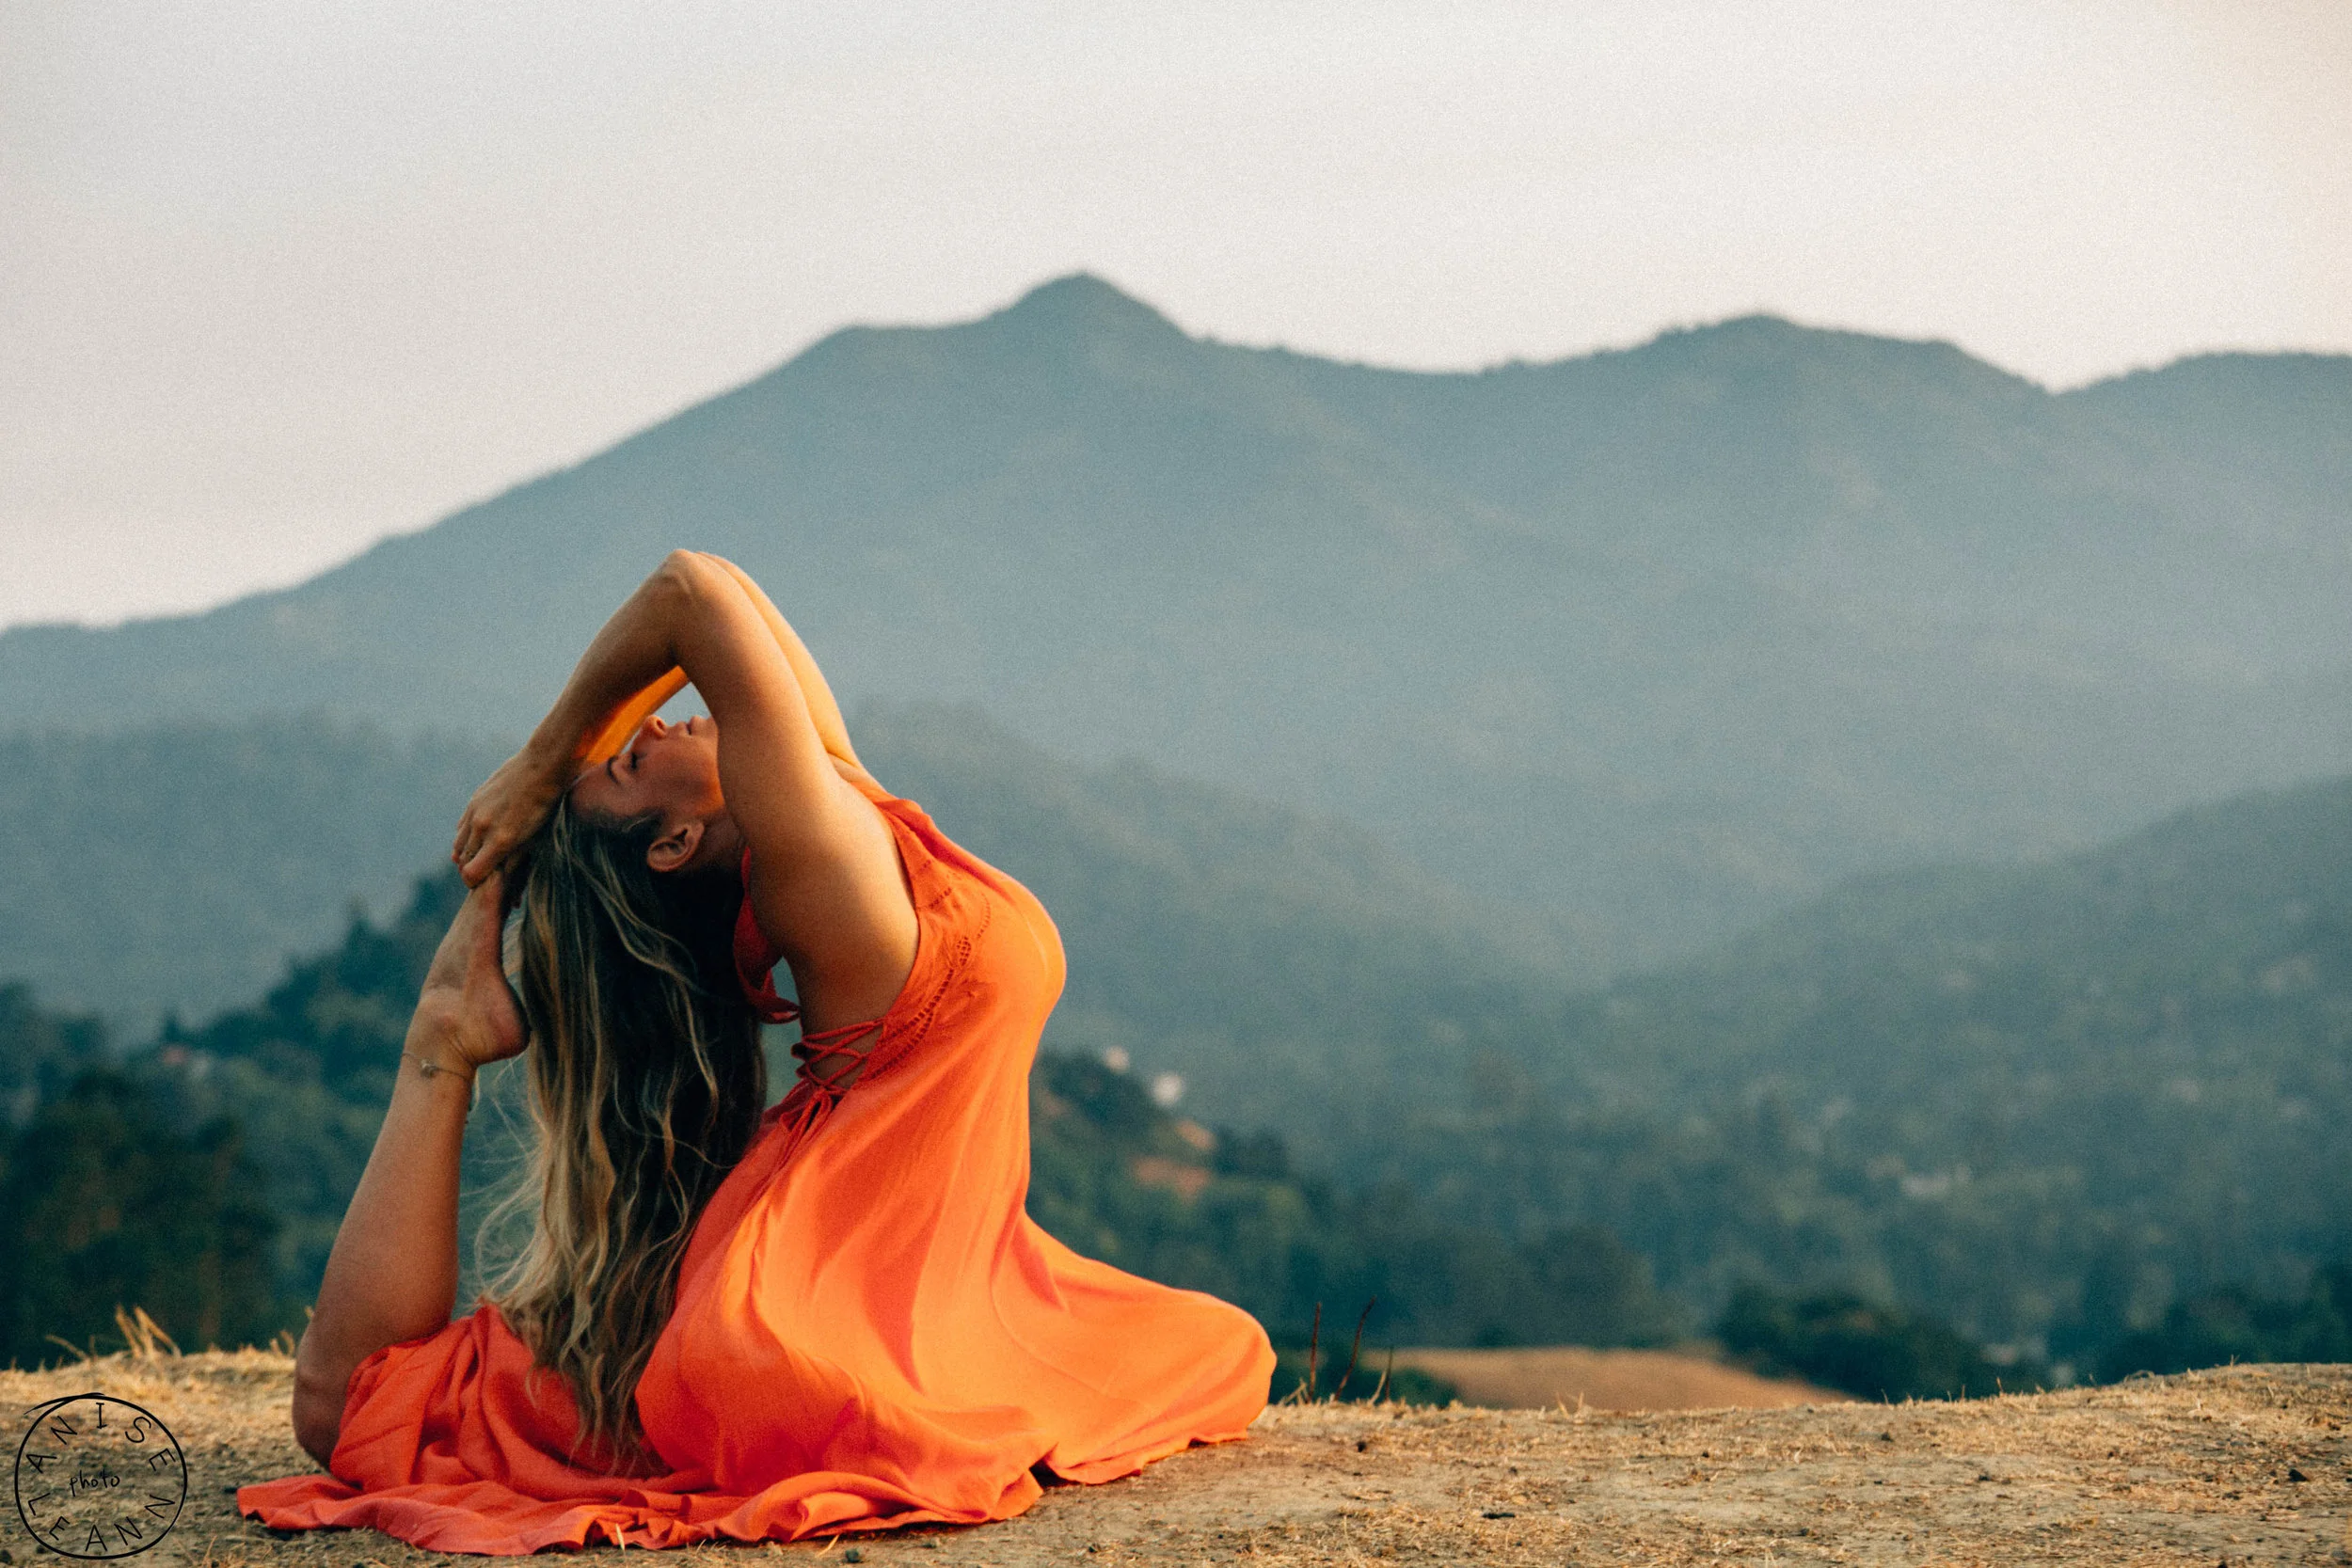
[669, 769]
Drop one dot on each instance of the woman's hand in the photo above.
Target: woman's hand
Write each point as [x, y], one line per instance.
[467, 1011]
[505, 812]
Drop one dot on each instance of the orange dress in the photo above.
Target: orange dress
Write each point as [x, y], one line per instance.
[870, 1330]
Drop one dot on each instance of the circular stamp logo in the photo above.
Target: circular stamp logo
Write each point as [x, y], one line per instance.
[98, 1477]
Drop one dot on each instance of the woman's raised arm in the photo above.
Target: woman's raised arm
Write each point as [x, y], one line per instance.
[633, 667]
[826, 887]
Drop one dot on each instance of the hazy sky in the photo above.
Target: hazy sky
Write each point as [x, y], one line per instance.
[278, 279]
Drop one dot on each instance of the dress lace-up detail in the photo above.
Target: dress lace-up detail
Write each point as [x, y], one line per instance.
[831, 1060]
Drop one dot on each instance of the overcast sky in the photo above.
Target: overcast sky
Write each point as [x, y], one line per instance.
[278, 279]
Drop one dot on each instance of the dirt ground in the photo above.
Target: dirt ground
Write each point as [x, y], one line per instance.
[1537, 1378]
[2246, 1464]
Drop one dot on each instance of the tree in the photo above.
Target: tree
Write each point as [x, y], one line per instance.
[101, 1205]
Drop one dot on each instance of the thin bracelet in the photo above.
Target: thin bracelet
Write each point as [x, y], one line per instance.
[427, 1067]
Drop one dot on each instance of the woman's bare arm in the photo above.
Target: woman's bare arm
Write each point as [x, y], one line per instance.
[393, 1275]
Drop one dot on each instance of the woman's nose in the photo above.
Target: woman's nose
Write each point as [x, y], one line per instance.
[655, 728]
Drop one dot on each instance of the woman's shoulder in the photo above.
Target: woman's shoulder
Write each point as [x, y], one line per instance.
[973, 921]
[756, 949]
[938, 868]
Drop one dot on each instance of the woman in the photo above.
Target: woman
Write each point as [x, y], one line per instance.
[832, 1316]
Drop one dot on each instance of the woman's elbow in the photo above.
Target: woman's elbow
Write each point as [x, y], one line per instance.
[687, 572]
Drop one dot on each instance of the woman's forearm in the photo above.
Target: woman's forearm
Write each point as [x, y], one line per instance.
[635, 649]
[631, 668]
[688, 620]
[393, 1275]
[639, 644]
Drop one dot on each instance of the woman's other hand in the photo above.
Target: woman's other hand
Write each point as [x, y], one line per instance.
[467, 1008]
[505, 812]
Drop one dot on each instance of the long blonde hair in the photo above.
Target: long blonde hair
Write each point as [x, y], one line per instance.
[646, 1083]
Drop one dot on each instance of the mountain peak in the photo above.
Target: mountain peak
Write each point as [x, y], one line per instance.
[1081, 303]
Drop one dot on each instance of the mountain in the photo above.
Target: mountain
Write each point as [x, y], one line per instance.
[1266, 954]
[1651, 642]
[2042, 1101]
[2211, 949]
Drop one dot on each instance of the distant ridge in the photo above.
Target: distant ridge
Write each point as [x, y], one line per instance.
[1653, 642]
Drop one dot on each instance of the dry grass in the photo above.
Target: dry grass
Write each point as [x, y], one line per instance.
[1540, 1378]
[2187, 1470]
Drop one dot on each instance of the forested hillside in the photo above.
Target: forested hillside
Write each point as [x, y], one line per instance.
[1654, 642]
[2041, 1100]
[202, 1176]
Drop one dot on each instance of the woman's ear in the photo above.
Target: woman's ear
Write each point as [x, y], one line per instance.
[675, 847]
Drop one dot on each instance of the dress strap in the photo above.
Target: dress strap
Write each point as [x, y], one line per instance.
[755, 961]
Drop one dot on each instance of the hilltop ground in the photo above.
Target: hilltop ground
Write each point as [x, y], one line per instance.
[2248, 1463]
